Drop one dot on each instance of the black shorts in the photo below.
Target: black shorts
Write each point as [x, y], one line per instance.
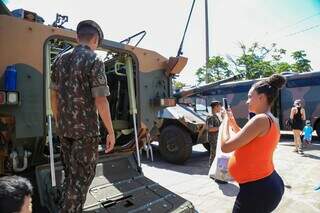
[298, 125]
[260, 196]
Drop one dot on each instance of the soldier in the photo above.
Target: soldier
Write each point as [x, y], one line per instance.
[213, 129]
[78, 90]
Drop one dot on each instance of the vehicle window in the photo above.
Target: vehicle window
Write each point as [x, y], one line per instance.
[201, 104]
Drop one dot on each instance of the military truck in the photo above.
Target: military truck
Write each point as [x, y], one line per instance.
[139, 81]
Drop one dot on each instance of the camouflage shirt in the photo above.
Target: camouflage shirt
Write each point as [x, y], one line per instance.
[213, 121]
[78, 76]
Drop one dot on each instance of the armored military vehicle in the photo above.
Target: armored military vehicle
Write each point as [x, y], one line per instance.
[184, 125]
[140, 86]
[179, 127]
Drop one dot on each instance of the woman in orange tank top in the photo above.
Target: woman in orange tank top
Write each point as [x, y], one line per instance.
[251, 165]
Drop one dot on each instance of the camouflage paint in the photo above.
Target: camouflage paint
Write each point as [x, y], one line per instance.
[25, 43]
[30, 111]
[77, 112]
[79, 159]
[150, 70]
[305, 86]
[152, 85]
[236, 94]
[309, 96]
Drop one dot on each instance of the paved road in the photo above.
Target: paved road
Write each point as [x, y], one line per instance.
[300, 173]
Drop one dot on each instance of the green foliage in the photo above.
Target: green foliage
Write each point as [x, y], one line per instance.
[259, 61]
[178, 84]
[255, 61]
[217, 69]
[302, 64]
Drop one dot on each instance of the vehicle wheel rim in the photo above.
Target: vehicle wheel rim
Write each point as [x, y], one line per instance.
[171, 146]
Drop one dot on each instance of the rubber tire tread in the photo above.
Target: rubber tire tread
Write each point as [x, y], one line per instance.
[206, 146]
[184, 142]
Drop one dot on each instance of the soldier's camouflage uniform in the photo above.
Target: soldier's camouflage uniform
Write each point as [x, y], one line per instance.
[213, 121]
[78, 76]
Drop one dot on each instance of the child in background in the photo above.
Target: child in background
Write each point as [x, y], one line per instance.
[307, 131]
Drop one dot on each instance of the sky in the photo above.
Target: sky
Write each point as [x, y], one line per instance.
[292, 24]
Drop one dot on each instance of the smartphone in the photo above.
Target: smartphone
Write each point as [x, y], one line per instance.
[225, 103]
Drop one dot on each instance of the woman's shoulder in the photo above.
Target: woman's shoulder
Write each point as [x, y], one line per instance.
[265, 121]
[260, 123]
[261, 118]
[265, 118]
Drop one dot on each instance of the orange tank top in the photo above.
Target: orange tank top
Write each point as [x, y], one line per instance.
[253, 161]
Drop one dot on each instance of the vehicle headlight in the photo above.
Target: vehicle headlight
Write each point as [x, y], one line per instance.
[12, 98]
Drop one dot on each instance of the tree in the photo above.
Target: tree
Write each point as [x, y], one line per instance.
[259, 61]
[255, 61]
[178, 84]
[281, 67]
[217, 69]
[301, 63]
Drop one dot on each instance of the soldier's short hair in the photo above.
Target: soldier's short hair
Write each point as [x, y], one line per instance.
[87, 32]
[89, 28]
[13, 190]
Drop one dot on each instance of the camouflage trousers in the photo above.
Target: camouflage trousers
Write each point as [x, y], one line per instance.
[79, 159]
[213, 146]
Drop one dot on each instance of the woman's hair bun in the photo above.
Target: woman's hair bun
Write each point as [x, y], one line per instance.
[276, 81]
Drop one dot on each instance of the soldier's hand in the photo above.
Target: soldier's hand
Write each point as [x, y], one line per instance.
[223, 113]
[110, 141]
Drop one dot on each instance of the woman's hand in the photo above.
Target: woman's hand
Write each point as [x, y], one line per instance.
[232, 121]
[223, 113]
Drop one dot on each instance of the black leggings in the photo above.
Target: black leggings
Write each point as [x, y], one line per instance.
[261, 196]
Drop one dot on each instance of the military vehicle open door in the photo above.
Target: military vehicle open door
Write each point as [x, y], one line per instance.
[119, 186]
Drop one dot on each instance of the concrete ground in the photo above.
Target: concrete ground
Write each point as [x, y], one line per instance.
[301, 175]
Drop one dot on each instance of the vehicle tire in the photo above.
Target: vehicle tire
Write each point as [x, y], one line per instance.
[317, 128]
[175, 144]
[207, 146]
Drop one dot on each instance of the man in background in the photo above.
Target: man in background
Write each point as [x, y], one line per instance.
[15, 195]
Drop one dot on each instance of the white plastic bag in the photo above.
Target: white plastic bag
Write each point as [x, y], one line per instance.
[219, 167]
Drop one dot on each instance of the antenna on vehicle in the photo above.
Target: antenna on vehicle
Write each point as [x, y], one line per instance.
[185, 30]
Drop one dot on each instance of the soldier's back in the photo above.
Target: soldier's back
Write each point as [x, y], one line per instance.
[77, 107]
